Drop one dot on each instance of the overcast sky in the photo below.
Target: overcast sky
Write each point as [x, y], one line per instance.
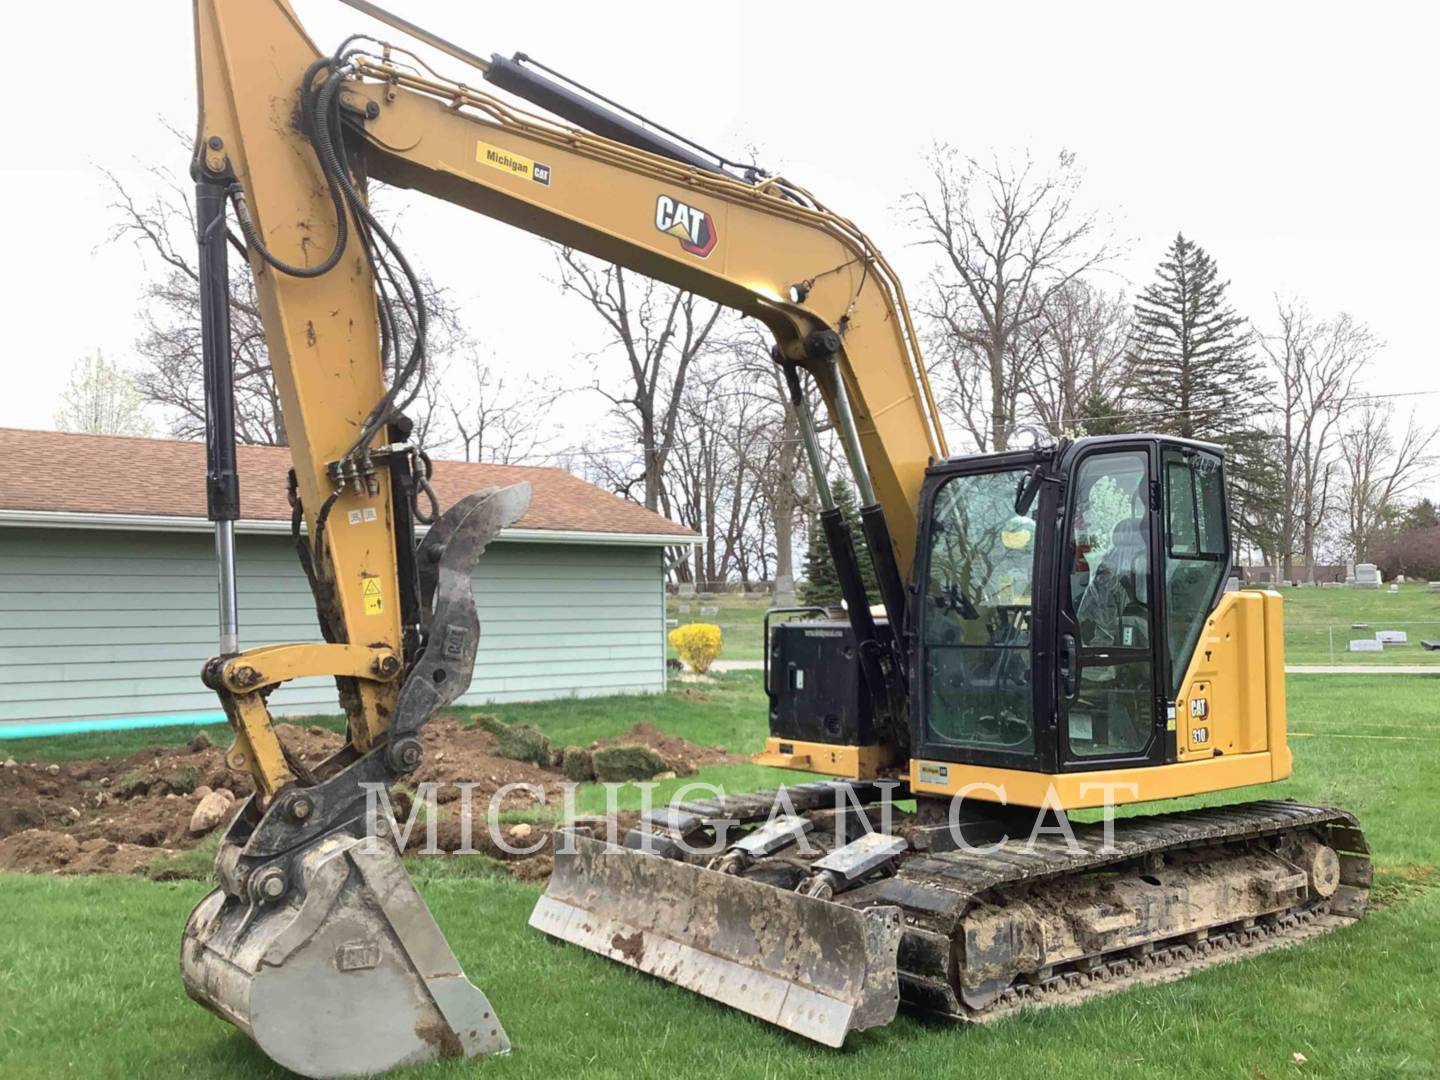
[1295, 141]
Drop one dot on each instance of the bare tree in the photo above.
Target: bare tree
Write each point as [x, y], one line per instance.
[1075, 384]
[1380, 470]
[1008, 238]
[1316, 363]
[101, 398]
[163, 229]
[662, 332]
[480, 414]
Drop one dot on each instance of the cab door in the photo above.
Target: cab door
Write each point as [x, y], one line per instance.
[1108, 673]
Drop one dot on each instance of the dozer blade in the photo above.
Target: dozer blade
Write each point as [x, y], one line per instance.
[354, 977]
[813, 967]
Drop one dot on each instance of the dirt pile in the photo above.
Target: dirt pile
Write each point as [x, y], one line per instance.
[119, 815]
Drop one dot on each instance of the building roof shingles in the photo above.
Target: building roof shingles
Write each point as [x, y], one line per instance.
[107, 474]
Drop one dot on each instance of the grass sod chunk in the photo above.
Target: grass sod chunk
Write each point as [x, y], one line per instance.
[135, 782]
[618, 763]
[523, 742]
[489, 722]
[181, 781]
[578, 764]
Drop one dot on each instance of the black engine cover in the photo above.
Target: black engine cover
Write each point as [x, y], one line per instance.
[817, 693]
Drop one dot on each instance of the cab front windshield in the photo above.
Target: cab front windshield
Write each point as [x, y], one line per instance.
[977, 618]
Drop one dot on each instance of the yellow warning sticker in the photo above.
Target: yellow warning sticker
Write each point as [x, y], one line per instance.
[370, 593]
[498, 157]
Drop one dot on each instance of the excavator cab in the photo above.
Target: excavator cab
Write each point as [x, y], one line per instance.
[1055, 607]
[1060, 593]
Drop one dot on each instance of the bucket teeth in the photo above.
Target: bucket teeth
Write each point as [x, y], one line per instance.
[818, 969]
[350, 977]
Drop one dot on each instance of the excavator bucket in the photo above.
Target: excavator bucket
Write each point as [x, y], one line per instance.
[352, 977]
[811, 966]
[318, 945]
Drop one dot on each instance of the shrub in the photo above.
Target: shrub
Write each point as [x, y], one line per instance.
[1414, 553]
[698, 645]
[524, 743]
[615, 763]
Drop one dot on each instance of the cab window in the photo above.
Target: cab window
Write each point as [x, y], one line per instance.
[1196, 551]
[1111, 596]
[976, 623]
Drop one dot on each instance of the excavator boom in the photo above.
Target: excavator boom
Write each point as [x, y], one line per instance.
[288, 138]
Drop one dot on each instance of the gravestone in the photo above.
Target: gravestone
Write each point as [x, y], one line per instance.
[709, 610]
[1394, 588]
[1392, 637]
[1366, 645]
[1435, 586]
[784, 591]
[1232, 584]
[1367, 576]
[671, 624]
[687, 588]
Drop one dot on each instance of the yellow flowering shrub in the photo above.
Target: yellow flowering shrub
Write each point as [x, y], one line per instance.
[698, 644]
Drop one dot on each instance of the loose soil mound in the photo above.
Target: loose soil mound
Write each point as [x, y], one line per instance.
[119, 815]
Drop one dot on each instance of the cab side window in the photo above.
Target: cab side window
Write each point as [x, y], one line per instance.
[1196, 551]
[1111, 596]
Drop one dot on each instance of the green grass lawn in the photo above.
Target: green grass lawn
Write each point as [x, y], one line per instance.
[1318, 621]
[89, 982]
[740, 621]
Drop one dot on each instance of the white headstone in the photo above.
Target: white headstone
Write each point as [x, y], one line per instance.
[784, 591]
[1394, 588]
[709, 610]
[1392, 637]
[686, 588]
[1366, 645]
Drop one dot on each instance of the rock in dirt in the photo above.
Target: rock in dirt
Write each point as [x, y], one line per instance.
[201, 741]
[11, 763]
[521, 831]
[211, 811]
[53, 770]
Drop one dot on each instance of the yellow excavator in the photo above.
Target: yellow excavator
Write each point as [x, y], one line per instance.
[1051, 631]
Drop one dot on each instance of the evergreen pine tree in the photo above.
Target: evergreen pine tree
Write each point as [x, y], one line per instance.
[822, 585]
[1194, 376]
[1190, 353]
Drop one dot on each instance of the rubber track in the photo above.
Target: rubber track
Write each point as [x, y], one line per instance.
[934, 889]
